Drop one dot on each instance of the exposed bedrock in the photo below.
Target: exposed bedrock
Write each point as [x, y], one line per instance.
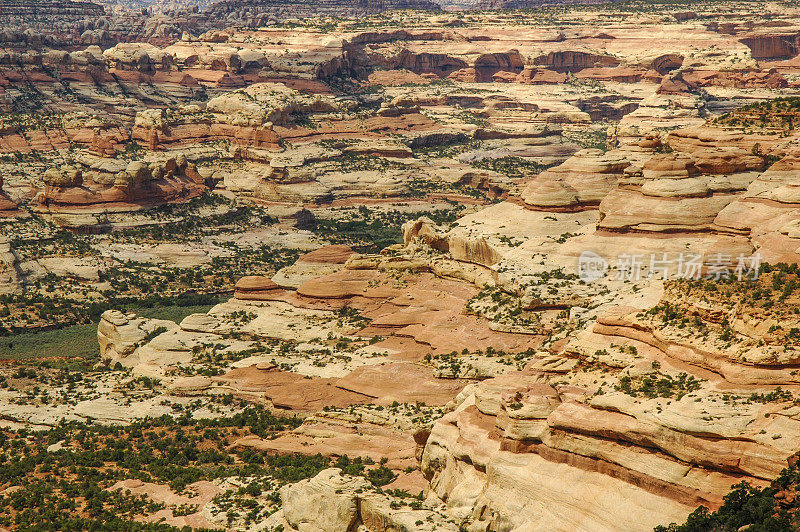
[780, 46]
[572, 61]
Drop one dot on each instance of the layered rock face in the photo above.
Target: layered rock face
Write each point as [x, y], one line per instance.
[669, 198]
[514, 425]
[514, 481]
[753, 350]
[686, 189]
[570, 61]
[767, 212]
[780, 46]
[706, 398]
[256, 287]
[105, 185]
[330, 501]
[583, 180]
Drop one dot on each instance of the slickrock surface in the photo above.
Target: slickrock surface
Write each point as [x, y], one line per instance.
[108, 186]
[330, 501]
[322, 261]
[592, 409]
[583, 180]
[255, 287]
[374, 221]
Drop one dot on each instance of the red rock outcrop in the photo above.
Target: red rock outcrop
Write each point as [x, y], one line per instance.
[256, 287]
[464, 75]
[487, 65]
[766, 46]
[334, 254]
[667, 63]
[581, 181]
[439, 64]
[73, 190]
[541, 76]
[619, 74]
[685, 189]
[573, 61]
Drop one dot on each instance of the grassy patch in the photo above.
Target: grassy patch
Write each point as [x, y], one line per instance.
[76, 347]
[172, 313]
[67, 347]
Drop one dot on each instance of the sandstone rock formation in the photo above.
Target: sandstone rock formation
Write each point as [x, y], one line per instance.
[255, 287]
[103, 185]
[583, 180]
[317, 263]
[331, 501]
[476, 351]
[766, 212]
[121, 335]
[680, 191]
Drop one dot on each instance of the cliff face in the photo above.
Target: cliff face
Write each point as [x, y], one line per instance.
[569, 61]
[773, 46]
